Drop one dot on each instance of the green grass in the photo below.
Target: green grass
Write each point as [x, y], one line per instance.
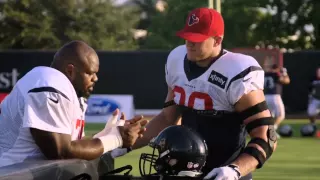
[296, 158]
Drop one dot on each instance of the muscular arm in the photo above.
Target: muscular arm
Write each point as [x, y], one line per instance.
[246, 162]
[60, 146]
[167, 117]
[50, 124]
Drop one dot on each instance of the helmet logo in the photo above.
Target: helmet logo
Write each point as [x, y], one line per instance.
[172, 162]
[196, 165]
[192, 165]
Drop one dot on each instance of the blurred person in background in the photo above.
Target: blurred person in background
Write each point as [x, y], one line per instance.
[314, 98]
[274, 79]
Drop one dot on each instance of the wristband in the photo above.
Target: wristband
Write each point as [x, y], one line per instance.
[236, 169]
[112, 140]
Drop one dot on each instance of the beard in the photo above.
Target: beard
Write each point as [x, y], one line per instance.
[83, 93]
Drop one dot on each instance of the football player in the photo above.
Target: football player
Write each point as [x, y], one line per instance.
[43, 116]
[314, 98]
[274, 78]
[219, 94]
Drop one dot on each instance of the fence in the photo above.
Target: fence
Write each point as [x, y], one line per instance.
[142, 74]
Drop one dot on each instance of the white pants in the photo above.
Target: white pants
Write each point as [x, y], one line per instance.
[276, 106]
[313, 107]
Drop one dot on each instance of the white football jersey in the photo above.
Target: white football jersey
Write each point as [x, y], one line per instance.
[219, 87]
[43, 99]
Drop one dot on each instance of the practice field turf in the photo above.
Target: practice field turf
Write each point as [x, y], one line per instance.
[296, 158]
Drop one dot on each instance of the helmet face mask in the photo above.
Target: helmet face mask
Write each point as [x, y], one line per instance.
[150, 159]
[174, 155]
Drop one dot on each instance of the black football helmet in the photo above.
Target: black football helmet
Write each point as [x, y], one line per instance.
[180, 152]
[308, 130]
[285, 131]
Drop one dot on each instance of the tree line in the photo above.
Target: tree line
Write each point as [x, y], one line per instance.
[43, 24]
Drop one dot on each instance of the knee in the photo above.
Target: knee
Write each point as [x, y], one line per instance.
[281, 116]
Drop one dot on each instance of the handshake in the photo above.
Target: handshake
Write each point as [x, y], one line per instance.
[119, 135]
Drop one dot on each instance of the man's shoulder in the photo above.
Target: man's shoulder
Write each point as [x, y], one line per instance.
[180, 48]
[234, 64]
[241, 60]
[178, 52]
[46, 79]
[175, 57]
[44, 75]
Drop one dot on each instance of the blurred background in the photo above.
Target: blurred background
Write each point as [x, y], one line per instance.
[133, 39]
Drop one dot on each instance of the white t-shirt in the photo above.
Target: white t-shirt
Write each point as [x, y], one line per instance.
[43, 99]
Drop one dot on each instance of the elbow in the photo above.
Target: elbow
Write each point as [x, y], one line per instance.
[285, 81]
[59, 154]
[288, 81]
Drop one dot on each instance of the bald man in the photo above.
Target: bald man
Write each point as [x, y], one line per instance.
[43, 116]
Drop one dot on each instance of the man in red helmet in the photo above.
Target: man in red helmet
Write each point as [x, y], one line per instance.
[219, 94]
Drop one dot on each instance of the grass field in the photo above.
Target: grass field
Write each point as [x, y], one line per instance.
[296, 158]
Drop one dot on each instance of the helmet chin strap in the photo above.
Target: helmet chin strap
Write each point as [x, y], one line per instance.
[189, 173]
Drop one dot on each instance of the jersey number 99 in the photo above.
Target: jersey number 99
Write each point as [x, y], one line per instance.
[208, 104]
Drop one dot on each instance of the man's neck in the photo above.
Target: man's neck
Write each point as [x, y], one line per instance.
[205, 62]
[208, 61]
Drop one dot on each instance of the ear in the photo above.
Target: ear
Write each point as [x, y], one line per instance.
[218, 41]
[70, 72]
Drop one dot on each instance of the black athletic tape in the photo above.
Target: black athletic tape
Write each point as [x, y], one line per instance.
[264, 145]
[210, 113]
[169, 103]
[262, 106]
[259, 122]
[258, 155]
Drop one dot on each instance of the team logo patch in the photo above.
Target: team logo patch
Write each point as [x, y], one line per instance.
[193, 19]
[218, 79]
[190, 165]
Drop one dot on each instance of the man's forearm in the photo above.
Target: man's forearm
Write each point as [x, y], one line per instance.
[87, 149]
[157, 124]
[246, 163]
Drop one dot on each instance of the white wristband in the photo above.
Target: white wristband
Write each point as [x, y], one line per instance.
[112, 140]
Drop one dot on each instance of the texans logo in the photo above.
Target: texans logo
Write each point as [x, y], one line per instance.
[193, 19]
